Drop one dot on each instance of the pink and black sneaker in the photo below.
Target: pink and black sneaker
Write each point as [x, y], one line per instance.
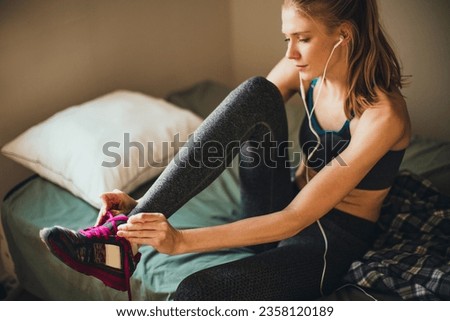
[96, 251]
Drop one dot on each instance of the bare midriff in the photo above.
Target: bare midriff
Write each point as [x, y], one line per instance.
[365, 204]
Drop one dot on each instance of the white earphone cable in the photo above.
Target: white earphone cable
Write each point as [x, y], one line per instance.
[309, 115]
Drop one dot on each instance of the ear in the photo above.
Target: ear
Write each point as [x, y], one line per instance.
[346, 31]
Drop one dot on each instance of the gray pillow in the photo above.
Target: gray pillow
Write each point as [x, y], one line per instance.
[201, 98]
[429, 158]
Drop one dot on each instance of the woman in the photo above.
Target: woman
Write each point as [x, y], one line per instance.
[305, 233]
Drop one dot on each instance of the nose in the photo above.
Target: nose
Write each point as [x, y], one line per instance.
[292, 51]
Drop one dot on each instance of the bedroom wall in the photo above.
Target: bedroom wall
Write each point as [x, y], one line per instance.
[54, 54]
[256, 38]
[418, 29]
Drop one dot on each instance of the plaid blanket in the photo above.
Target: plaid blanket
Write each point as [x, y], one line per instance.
[411, 256]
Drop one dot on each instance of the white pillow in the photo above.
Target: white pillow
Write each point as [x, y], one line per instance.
[93, 148]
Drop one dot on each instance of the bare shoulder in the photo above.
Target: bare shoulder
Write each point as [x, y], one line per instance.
[285, 77]
[390, 118]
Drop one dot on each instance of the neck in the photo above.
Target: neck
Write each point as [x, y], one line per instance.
[335, 80]
[336, 88]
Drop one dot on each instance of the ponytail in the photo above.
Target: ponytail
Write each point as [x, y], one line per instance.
[372, 62]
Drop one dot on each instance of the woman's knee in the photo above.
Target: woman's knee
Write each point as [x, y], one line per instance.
[257, 100]
[262, 89]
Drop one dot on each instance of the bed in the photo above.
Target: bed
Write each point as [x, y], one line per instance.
[409, 261]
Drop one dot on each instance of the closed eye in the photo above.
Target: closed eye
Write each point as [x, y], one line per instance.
[303, 40]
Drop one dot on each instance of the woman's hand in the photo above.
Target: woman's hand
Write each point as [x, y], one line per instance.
[152, 229]
[116, 202]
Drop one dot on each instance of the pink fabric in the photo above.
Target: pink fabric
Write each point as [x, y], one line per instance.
[120, 279]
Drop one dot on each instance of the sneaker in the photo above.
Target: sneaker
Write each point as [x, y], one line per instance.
[96, 251]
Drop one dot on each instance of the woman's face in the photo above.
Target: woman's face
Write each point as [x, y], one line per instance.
[309, 44]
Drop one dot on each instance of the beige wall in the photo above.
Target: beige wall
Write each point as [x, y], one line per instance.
[420, 32]
[56, 53]
[256, 38]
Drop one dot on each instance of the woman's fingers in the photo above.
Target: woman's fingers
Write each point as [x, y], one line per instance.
[110, 202]
[115, 202]
[138, 225]
[152, 229]
[147, 218]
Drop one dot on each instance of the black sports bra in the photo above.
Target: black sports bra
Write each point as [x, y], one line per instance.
[381, 175]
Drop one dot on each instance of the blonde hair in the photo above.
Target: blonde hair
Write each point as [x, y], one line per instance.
[372, 61]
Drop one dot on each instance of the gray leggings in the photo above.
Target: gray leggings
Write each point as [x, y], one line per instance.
[251, 122]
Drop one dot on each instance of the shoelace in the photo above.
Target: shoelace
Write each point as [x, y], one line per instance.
[105, 230]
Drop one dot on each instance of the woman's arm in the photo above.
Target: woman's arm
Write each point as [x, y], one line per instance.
[286, 78]
[378, 130]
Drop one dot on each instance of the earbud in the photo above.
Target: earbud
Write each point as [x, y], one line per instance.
[341, 38]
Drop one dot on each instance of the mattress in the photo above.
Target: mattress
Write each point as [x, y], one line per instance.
[37, 203]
